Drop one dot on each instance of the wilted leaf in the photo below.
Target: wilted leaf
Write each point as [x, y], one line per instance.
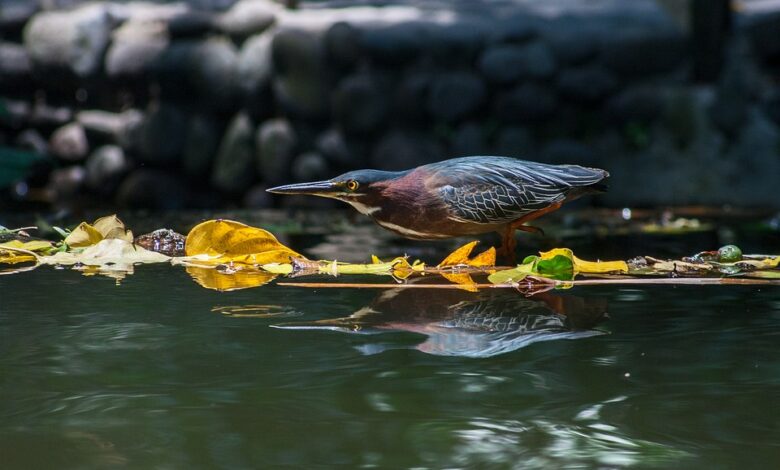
[461, 257]
[104, 228]
[215, 279]
[114, 253]
[226, 241]
[82, 236]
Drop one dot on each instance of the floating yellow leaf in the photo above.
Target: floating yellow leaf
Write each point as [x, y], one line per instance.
[461, 257]
[104, 228]
[228, 241]
[17, 251]
[588, 267]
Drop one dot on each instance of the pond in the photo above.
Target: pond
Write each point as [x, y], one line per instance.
[158, 372]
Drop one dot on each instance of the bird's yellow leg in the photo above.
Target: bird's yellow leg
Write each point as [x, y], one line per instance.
[509, 243]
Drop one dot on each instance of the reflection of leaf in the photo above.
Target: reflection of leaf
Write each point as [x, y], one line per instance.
[461, 256]
[256, 311]
[464, 280]
[104, 228]
[211, 278]
[227, 241]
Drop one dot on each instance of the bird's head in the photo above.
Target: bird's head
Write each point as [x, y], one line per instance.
[358, 188]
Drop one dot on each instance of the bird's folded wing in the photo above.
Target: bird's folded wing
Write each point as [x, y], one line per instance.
[494, 194]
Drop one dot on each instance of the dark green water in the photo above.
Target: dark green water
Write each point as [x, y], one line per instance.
[147, 375]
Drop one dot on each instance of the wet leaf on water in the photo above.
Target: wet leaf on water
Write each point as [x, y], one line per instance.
[461, 257]
[587, 267]
[104, 228]
[17, 251]
[225, 241]
[559, 264]
[114, 254]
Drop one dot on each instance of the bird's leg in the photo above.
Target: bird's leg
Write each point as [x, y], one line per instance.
[510, 244]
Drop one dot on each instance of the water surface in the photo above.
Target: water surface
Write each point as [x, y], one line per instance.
[160, 373]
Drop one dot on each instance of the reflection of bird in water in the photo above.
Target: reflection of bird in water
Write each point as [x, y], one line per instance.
[459, 323]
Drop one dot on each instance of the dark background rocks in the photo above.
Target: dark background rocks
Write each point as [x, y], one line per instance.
[192, 104]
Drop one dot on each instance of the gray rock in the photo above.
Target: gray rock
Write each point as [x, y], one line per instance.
[135, 48]
[200, 146]
[161, 135]
[772, 107]
[588, 84]
[763, 33]
[469, 139]
[458, 43]
[31, 139]
[567, 151]
[637, 53]
[401, 150]
[359, 105]
[342, 43]
[642, 103]
[310, 166]
[248, 17]
[525, 103]
[516, 29]
[394, 44]
[15, 65]
[73, 40]
[510, 63]
[757, 160]
[206, 69]
[339, 151]
[69, 142]
[412, 90]
[300, 84]
[233, 167]
[738, 87]
[105, 166]
[66, 182]
[276, 143]
[14, 14]
[254, 64]
[574, 46]
[190, 24]
[455, 95]
[152, 189]
[121, 128]
[514, 141]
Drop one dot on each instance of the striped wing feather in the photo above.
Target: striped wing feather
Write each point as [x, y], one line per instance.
[492, 190]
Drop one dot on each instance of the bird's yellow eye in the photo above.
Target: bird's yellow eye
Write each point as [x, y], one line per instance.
[352, 185]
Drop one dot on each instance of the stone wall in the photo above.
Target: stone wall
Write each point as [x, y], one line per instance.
[165, 106]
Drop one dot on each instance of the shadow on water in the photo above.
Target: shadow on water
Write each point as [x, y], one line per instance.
[460, 323]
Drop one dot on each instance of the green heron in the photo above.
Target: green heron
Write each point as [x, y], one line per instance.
[462, 196]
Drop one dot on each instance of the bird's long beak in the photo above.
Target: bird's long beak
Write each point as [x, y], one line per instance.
[317, 188]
